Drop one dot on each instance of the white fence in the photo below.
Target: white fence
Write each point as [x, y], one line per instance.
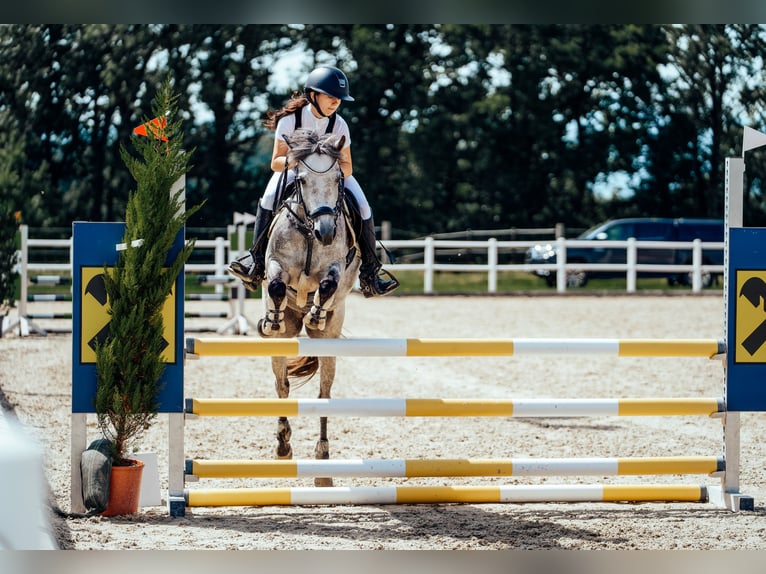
[222, 251]
[492, 247]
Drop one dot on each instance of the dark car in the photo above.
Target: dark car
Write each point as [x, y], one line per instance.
[642, 229]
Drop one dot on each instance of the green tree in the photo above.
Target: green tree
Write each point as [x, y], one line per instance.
[129, 363]
[224, 71]
[714, 81]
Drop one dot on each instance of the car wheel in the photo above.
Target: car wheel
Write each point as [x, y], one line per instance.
[706, 279]
[577, 278]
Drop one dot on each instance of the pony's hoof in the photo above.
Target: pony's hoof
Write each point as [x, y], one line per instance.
[316, 318]
[323, 482]
[314, 323]
[287, 454]
[270, 328]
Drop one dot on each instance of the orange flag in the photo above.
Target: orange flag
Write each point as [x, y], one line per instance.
[155, 126]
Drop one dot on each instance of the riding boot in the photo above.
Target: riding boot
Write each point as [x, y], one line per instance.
[251, 268]
[370, 279]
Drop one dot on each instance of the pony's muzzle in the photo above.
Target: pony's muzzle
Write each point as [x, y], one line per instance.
[324, 229]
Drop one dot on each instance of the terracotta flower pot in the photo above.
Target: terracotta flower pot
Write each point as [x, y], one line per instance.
[124, 489]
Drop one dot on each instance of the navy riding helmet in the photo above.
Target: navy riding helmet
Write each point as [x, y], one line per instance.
[327, 80]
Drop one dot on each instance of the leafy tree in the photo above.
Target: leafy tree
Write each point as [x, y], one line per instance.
[454, 126]
[714, 80]
[225, 71]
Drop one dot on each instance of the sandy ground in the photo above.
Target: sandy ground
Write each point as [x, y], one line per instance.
[35, 380]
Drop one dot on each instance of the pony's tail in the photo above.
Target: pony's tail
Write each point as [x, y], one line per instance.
[301, 369]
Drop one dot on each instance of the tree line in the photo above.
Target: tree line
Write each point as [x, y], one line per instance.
[454, 126]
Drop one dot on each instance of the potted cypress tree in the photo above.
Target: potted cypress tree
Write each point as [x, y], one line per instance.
[129, 362]
[8, 257]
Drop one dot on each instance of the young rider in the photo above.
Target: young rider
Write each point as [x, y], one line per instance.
[315, 109]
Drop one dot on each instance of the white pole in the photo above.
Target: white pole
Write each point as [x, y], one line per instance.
[735, 177]
[632, 258]
[492, 264]
[24, 273]
[697, 264]
[428, 263]
[561, 261]
[220, 261]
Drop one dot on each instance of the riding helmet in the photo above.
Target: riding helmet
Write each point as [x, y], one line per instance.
[330, 81]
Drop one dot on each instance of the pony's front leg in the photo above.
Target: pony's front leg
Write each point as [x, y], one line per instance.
[322, 450]
[284, 432]
[276, 302]
[316, 318]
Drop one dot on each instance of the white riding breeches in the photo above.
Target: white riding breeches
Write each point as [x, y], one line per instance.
[270, 194]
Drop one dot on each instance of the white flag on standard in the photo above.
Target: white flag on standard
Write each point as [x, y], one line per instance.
[752, 139]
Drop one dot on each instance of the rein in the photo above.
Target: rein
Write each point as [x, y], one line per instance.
[305, 224]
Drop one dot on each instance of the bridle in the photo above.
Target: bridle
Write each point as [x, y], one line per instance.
[304, 222]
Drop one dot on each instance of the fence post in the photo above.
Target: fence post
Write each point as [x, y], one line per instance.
[385, 230]
[24, 269]
[697, 264]
[220, 261]
[632, 257]
[428, 261]
[492, 264]
[561, 261]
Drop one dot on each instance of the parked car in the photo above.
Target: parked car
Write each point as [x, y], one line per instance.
[642, 229]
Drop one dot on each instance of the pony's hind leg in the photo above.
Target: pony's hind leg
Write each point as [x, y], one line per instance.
[284, 432]
[322, 450]
[281, 369]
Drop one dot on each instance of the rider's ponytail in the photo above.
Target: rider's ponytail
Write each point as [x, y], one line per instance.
[296, 101]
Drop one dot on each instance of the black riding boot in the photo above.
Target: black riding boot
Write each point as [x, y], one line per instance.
[251, 268]
[370, 281]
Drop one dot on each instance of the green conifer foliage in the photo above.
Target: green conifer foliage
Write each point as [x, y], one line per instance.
[129, 363]
[8, 257]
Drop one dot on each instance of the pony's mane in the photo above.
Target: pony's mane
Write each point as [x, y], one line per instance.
[305, 142]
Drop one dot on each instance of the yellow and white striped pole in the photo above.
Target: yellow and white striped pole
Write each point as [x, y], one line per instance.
[446, 494]
[406, 407]
[410, 468]
[412, 347]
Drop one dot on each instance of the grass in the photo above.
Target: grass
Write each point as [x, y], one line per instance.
[514, 281]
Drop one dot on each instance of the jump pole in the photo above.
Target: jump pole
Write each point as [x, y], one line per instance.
[414, 347]
[740, 394]
[414, 468]
[394, 407]
[301, 496]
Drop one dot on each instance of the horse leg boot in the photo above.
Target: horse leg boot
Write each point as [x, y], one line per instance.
[252, 272]
[316, 318]
[370, 281]
[276, 303]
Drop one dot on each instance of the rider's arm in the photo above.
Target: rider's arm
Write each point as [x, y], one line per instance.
[345, 161]
[279, 155]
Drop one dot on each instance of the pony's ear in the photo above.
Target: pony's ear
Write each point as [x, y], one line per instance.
[287, 140]
[340, 142]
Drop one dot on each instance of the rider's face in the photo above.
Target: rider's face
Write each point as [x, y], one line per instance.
[328, 104]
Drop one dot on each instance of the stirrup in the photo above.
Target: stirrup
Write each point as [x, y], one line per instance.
[375, 286]
[247, 270]
[239, 269]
